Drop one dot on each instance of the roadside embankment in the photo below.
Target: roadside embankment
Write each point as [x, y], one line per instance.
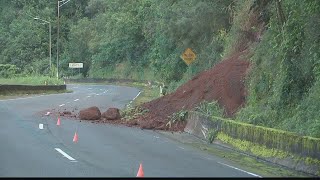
[301, 153]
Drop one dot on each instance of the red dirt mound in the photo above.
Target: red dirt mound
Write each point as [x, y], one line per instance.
[223, 83]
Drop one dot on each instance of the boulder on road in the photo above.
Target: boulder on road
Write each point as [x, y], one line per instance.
[92, 113]
[112, 114]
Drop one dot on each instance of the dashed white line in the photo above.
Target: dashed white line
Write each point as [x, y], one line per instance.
[88, 96]
[240, 170]
[204, 134]
[68, 102]
[181, 147]
[204, 127]
[76, 100]
[137, 95]
[61, 105]
[40, 126]
[64, 154]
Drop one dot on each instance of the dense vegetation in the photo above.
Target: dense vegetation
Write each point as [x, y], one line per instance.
[143, 39]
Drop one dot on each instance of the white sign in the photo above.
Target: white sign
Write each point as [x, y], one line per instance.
[75, 65]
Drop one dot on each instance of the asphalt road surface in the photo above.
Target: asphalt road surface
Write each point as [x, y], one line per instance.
[102, 150]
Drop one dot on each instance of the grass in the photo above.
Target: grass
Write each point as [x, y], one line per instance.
[248, 163]
[32, 80]
[147, 94]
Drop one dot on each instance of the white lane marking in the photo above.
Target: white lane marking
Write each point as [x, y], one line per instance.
[88, 96]
[40, 126]
[204, 134]
[156, 137]
[180, 147]
[89, 88]
[68, 102]
[204, 128]
[101, 89]
[76, 100]
[240, 170]
[47, 113]
[97, 94]
[64, 154]
[61, 105]
[137, 95]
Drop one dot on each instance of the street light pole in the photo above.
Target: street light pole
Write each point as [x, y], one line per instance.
[63, 3]
[36, 18]
[58, 41]
[50, 44]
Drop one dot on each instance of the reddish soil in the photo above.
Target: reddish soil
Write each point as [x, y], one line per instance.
[223, 83]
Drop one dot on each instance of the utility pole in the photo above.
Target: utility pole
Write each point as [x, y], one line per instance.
[58, 40]
[63, 3]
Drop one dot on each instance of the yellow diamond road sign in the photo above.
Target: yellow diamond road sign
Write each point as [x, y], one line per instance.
[188, 56]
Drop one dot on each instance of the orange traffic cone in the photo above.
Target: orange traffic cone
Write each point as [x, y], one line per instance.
[58, 122]
[75, 137]
[140, 171]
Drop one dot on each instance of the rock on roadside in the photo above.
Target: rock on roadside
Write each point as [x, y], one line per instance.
[111, 114]
[92, 113]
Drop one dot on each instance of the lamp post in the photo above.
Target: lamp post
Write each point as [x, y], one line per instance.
[63, 2]
[36, 18]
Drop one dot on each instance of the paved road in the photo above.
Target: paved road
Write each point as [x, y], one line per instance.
[102, 150]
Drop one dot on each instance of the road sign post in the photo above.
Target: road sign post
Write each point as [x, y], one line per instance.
[75, 65]
[188, 56]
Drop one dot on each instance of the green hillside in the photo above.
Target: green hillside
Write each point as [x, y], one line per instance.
[144, 39]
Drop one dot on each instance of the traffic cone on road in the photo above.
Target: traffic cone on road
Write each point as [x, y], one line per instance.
[58, 122]
[140, 171]
[75, 137]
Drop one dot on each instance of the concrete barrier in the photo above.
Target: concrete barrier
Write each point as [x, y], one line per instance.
[101, 80]
[303, 152]
[12, 88]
